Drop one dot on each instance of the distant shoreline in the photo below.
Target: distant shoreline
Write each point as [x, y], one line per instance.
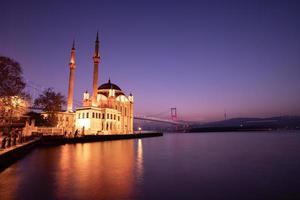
[232, 129]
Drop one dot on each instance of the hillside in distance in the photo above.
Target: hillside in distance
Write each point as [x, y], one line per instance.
[249, 124]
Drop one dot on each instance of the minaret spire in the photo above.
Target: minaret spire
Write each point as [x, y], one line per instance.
[73, 45]
[97, 45]
[96, 59]
[72, 66]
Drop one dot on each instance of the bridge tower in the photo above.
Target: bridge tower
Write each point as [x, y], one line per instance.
[173, 114]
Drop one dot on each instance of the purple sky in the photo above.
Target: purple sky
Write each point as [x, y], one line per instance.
[202, 57]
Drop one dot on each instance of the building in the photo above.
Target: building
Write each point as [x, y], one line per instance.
[106, 111]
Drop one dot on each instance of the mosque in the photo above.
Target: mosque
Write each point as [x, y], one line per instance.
[106, 111]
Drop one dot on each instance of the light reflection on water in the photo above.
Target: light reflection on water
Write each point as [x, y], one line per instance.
[97, 170]
[139, 160]
[176, 166]
[102, 170]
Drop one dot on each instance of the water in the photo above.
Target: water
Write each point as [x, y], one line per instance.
[258, 165]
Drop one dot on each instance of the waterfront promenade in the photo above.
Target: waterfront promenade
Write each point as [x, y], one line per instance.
[60, 139]
[18, 145]
[11, 154]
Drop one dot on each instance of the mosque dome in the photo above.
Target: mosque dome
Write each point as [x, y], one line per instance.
[109, 85]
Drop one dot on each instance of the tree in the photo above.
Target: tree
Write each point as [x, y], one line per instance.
[51, 103]
[13, 99]
[11, 77]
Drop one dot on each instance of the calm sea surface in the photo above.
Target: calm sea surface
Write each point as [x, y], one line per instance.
[254, 165]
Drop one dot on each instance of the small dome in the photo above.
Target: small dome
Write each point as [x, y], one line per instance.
[109, 85]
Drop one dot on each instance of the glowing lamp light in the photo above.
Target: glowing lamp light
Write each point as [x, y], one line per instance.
[140, 129]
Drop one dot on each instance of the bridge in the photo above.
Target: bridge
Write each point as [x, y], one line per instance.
[155, 119]
[166, 121]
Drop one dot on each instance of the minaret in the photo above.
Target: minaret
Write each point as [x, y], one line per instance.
[96, 59]
[71, 79]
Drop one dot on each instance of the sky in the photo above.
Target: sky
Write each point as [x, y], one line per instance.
[202, 57]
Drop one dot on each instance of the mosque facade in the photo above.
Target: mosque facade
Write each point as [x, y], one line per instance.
[107, 110]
